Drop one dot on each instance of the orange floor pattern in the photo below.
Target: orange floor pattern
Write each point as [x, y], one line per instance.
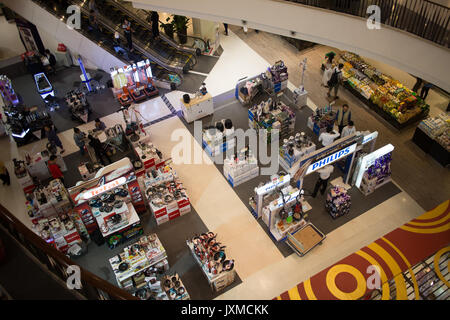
[353, 277]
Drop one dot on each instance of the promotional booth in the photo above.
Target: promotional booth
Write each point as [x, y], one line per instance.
[111, 203]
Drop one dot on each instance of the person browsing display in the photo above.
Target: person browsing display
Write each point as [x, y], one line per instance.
[328, 137]
[322, 182]
[348, 130]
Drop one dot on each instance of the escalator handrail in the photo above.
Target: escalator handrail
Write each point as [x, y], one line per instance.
[184, 50]
[146, 50]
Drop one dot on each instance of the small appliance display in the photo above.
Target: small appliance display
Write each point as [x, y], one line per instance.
[209, 253]
[338, 202]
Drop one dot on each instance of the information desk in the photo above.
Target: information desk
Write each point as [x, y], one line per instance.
[197, 108]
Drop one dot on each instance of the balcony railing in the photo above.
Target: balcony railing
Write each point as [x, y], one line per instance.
[93, 287]
[423, 18]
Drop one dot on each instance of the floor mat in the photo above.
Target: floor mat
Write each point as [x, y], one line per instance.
[205, 63]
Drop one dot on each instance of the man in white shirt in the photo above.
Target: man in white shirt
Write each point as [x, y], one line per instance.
[348, 130]
[324, 176]
[328, 137]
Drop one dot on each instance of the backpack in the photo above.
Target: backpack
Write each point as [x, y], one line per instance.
[334, 78]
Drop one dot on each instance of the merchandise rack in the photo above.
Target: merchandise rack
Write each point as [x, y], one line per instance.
[217, 282]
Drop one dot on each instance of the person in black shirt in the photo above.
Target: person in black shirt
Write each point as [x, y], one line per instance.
[99, 149]
[155, 24]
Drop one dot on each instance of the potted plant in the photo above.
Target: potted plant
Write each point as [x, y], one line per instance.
[168, 27]
[181, 24]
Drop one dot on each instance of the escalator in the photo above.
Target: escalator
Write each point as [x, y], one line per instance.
[193, 44]
[178, 59]
[104, 39]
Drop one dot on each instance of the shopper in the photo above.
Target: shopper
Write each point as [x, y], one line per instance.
[99, 125]
[328, 137]
[155, 24]
[322, 182]
[417, 85]
[343, 117]
[335, 81]
[93, 6]
[4, 174]
[79, 138]
[348, 130]
[52, 60]
[99, 149]
[54, 169]
[93, 24]
[118, 46]
[327, 67]
[53, 137]
[425, 89]
[226, 28]
[126, 26]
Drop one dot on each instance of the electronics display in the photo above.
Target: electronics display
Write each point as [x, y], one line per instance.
[271, 115]
[338, 202]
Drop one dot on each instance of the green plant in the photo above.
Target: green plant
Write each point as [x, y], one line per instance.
[181, 24]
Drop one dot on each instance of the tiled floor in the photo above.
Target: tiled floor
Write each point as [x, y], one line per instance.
[263, 270]
[419, 174]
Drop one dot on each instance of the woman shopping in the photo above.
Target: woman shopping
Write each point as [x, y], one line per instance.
[327, 67]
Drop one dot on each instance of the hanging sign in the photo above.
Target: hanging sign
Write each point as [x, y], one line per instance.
[106, 187]
[331, 158]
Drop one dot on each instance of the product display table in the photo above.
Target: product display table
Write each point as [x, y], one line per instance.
[216, 282]
[147, 252]
[197, 108]
[126, 231]
[238, 172]
[174, 287]
[432, 147]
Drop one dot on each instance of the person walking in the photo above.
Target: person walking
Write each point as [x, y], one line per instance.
[99, 149]
[53, 137]
[4, 174]
[425, 90]
[417, 85]
[54, 169]
[154, 17]
[322, 182]
[51, 59]
[225, 25]
[343, 117]
[327, 67]
[79, 137]
[335, 81]
[126, 26]
[328, 137]
[348, 130]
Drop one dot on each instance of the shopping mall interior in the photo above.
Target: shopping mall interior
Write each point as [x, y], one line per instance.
[177, 150]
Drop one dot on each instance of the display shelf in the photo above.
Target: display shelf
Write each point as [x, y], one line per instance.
[138, 261]
[338, 202]
[217, 282]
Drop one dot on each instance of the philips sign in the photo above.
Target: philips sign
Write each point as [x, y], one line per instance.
[331, 158]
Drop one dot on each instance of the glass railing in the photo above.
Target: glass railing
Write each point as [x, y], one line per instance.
[425, 19]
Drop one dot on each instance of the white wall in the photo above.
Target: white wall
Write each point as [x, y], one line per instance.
[394, 47]
[10, 43]
[54, 31]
